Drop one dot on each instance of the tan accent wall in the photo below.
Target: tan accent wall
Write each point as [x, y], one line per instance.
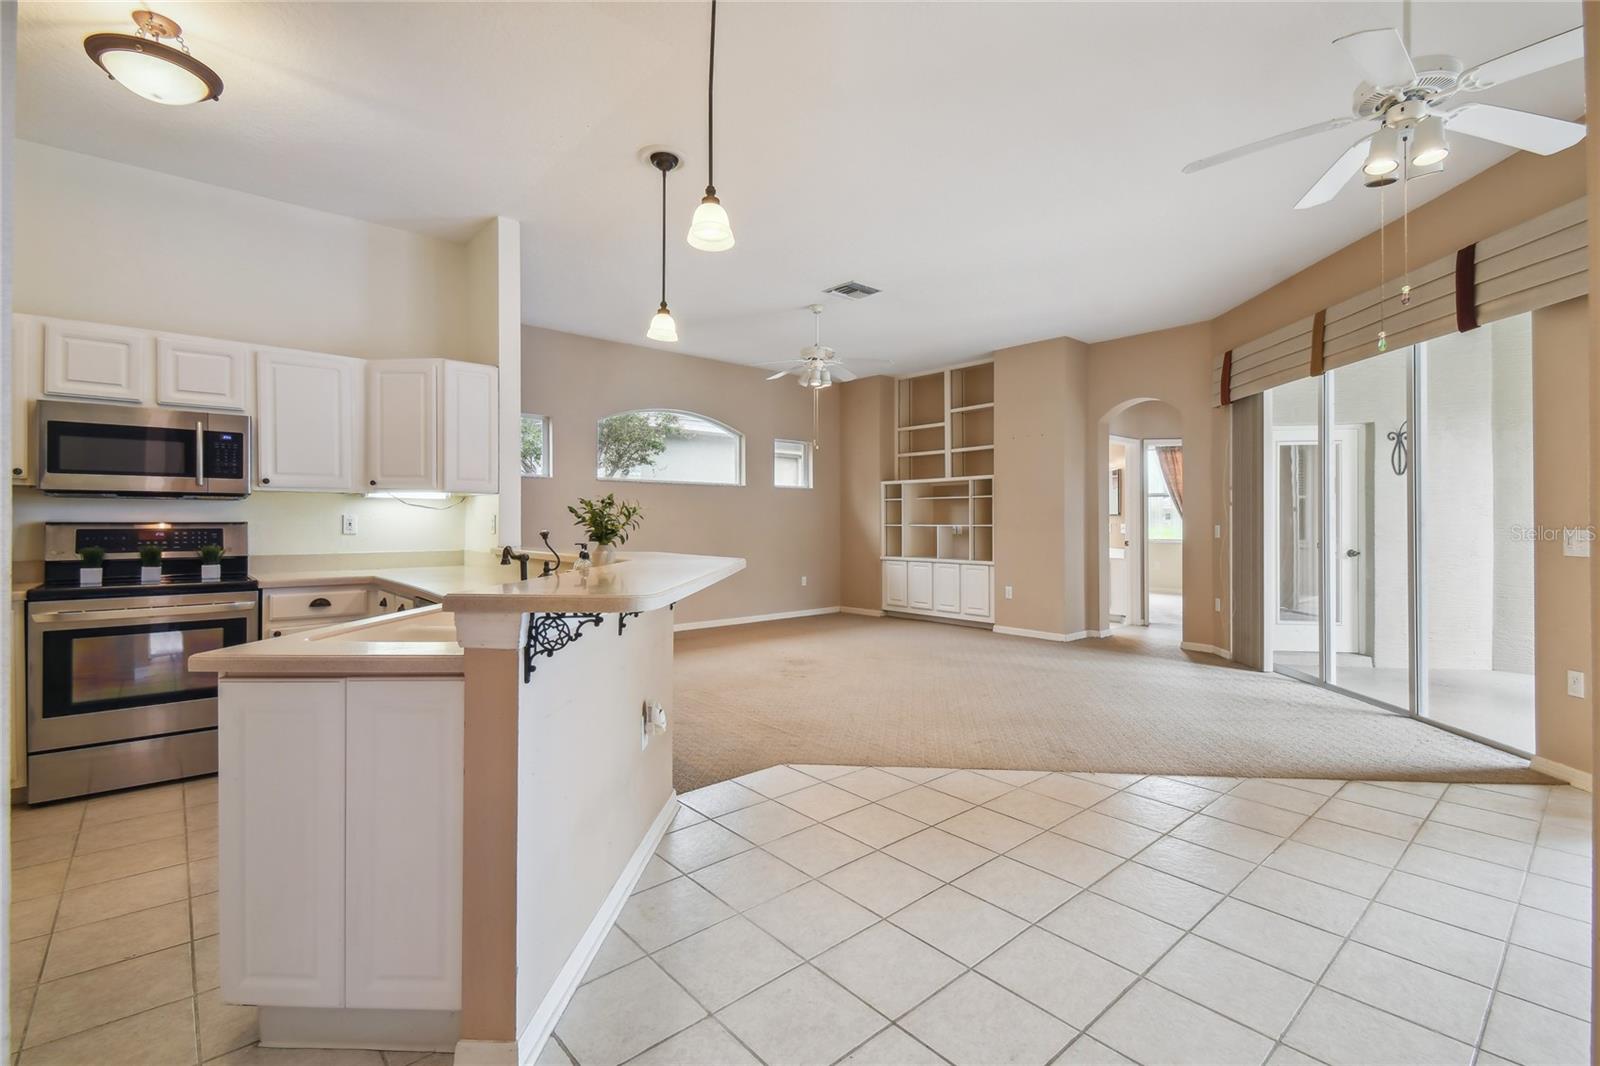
[1591, 151]
[1564, 732]
[1041, 517]
[783, 534]
[866, 451]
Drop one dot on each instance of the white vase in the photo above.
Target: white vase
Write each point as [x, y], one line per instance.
[210, 571]
[149, 575]
[90, 575]
[604, 555]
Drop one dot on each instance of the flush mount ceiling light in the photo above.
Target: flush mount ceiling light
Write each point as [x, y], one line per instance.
[710, 230]
[662, 327]
[142, 64]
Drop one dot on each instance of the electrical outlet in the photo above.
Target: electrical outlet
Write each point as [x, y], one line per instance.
[1216, 532]
[802, 581]
[347, 524]
[1008, 592]
[1575, 683]
[1216, 604]
[494, 525]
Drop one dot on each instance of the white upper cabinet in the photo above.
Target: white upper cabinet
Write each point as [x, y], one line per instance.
[27, 337]
[308, 420]
[88, 361]
[403, 424]
[470, 432]
[199, 372]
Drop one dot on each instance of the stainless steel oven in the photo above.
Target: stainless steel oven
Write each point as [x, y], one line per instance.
[108, 449]
[112, 702]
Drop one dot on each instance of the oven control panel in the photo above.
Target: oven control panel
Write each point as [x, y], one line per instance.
[129, 541]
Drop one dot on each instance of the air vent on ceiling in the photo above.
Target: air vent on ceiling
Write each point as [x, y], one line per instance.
[851, 290]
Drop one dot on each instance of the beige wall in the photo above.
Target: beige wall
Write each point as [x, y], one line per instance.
[783, 534]
[1564, 725]
[866, 449]
[1041, 517]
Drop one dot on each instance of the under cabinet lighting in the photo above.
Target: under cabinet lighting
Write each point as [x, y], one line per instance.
[407, 495]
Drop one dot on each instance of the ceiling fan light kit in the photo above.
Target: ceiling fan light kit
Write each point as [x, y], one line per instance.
[141, 63]
[1413, 103]
[710, 230]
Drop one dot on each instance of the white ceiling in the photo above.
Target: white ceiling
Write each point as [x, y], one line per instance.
[1003, 172]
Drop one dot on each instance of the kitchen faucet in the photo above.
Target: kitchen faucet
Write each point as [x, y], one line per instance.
[508, 553]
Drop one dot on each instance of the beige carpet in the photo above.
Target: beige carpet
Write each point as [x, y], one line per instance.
[888, 692]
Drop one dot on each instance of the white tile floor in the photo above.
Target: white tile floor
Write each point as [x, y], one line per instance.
[821, 914]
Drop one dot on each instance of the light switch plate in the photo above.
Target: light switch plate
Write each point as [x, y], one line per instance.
[1008, 592]
[1575, 683]
[1216, 532]
[1576, 542]
[347, 524]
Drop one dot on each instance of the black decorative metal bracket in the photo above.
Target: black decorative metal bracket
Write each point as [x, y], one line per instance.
[622, 620]
[549, 633]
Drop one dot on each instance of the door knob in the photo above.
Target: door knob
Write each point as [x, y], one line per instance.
[1351, 553]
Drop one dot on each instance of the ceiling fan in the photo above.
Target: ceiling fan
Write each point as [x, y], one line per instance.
[1411, 103]
[820, 366]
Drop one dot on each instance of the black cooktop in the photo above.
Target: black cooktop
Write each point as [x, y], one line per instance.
[170, 585]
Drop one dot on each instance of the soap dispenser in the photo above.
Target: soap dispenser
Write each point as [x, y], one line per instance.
[583, 555]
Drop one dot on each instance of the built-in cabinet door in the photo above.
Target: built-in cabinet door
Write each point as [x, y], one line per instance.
[977, 588]
[281, 867]
[471, 428]
[197, 372]
[88, 361]
[947, 588]
[27, 341]
[308, 419]
[919, 586]
[403, 424]
[403, 826]
[894, 583]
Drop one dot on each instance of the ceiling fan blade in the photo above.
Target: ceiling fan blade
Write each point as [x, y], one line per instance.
[1519, 129]
[1335, 177]
[1269, 142]
[841, 373]
[1541, 55]
[779, 374]
[1381, 56]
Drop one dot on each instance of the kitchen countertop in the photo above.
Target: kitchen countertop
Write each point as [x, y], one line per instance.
[423, 641]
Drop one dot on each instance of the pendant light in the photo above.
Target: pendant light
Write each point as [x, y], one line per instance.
[662, 327]
[710, 230]
[140, 63]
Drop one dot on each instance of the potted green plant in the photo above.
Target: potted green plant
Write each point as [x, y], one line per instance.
[90, 571]
[149, 564]
[607, 524]
[211, 562]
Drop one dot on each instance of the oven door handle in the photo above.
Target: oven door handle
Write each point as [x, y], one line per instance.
[126, 613]
[200, 453]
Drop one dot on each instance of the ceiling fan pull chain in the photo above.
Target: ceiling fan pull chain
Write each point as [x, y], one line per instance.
[1383, 334]
[1405, 223]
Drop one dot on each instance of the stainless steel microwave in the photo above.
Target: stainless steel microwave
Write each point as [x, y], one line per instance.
[109, 450]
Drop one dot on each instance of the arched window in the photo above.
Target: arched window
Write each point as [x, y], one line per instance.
[672, 446]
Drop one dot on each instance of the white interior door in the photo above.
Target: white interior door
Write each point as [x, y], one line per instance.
[1297, 479]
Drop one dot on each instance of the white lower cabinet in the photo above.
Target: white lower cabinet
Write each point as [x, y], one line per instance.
[919, 586]
[894, 583]
[340, 863]
[939, 588]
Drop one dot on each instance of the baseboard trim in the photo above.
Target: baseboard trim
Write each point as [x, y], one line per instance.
[1575, 778]
[865, 612]
[1038, 634]
[1206, 649]
[531, 1041]
[718, 623]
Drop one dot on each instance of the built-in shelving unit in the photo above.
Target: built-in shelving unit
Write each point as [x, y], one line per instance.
[938, 511]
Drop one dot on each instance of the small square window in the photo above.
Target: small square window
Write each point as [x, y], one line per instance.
[535, 446]
[791, 464]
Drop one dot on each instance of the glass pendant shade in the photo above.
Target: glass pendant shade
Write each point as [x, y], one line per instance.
[710, 230]
[1428, 144]
[662, 327]
[1384, 155]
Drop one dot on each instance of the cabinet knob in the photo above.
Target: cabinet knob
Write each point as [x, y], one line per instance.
[266, 481]
[277, 632]
[372, 483]
[16, 471]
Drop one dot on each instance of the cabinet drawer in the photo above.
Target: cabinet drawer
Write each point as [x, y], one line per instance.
[296, 605]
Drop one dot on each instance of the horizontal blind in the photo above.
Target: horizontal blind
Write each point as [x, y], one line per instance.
[1352, 330]
[1534, 264]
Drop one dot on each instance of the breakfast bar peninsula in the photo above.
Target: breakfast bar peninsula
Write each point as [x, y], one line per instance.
[429, 820]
